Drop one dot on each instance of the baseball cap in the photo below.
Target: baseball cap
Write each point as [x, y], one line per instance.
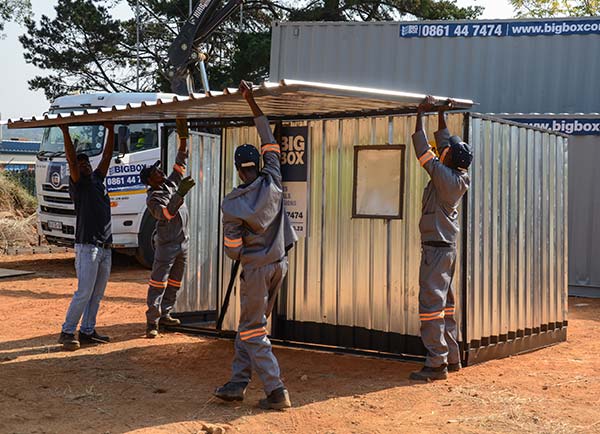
[147, 171]
[246, 156]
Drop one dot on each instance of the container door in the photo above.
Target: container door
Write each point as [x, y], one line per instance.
[197, 300]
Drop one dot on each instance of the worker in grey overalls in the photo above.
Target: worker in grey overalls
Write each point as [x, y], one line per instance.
[257, 232]
[439, 228]
[165, 201]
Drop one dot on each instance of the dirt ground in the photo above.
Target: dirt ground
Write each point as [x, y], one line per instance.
[164, 385]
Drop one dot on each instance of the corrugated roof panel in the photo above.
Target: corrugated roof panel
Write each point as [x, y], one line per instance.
[289, 99]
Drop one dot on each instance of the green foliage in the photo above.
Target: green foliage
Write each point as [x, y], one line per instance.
[555, 8]
[85, 49]
[14, 10]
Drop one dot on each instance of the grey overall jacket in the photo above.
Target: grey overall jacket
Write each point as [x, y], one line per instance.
[439, 220]
[168, 207]
[256, 228]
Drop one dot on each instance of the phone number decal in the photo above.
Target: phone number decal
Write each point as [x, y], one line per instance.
[495, 29]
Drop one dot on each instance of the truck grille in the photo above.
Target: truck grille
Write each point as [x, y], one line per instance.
[55, 199]
[48, 187]
[59, 211]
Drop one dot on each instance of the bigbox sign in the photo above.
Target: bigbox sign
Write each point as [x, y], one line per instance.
[294, 171]
[483, 29]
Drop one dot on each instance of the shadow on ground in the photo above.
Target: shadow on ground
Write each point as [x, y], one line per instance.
[159, 382]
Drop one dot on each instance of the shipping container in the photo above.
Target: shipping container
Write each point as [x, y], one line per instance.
[507, 66]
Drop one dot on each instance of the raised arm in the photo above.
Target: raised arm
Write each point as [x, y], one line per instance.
[270, 149]
[182, 151]
[108, 150]
[70, 153]
[442, 135]
[447, 184]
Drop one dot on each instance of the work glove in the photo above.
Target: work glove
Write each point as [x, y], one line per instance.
[182, 128]
[185, 185]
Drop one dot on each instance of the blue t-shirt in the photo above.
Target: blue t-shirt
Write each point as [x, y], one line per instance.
[92, 207]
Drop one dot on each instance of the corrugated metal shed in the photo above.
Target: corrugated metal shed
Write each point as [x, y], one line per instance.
[542, 73]
[286, 99]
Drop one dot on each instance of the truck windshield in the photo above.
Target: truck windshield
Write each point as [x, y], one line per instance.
[88, 139]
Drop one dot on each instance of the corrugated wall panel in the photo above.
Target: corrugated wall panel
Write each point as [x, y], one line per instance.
[373, 54]
[350, 272]
[516, 240]
[201, 278]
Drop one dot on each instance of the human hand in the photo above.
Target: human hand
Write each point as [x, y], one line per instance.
[246, 89]
[427, 105]
[185, 186]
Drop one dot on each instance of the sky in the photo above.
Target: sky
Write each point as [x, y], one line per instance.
[16, 100]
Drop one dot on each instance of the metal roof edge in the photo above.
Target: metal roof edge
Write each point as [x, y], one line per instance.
[489, 117]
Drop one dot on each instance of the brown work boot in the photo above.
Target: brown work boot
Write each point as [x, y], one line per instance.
[231, 391]
[151, 331]
[68, 341]
[276, 400]
[428, 373]
[168, 321]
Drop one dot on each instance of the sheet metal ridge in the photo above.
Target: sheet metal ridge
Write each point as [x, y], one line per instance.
[516, 124]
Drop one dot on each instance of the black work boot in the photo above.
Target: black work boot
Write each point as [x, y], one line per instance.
[151, 331]
[276, 400]
[93, 338]
[231, 391]
[168, 321]
[68, 341]
[454, 367]
[430, 374]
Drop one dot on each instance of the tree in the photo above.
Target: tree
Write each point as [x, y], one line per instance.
[554, 8]
[84, 48]
[14, 10]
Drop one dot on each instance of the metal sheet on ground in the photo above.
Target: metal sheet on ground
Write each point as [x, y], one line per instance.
[6, 272]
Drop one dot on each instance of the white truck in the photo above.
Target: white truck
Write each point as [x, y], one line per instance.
[136, 146]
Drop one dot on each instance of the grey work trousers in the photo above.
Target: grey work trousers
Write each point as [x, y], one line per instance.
[258, 289]
[167, 273]
[436, 305]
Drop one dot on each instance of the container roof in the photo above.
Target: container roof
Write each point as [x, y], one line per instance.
[288, 99]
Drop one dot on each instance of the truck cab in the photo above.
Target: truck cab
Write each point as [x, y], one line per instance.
[136, 146]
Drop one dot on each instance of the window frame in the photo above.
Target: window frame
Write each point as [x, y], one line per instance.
[393, 147]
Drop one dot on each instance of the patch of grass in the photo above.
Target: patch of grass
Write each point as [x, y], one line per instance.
[15, 199]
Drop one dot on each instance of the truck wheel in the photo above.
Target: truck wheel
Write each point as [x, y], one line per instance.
[145, 251]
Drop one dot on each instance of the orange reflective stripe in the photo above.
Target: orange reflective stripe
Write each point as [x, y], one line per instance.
[179, 169]
[156, 284]
[444, 152]
[246, 332]
[249, 334]
[426, 157]
[167, 214]
[431, 316]
[174, 283]
[270, 147]
[233, 243]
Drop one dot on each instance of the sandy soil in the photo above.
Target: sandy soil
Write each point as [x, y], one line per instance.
[164, 385]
